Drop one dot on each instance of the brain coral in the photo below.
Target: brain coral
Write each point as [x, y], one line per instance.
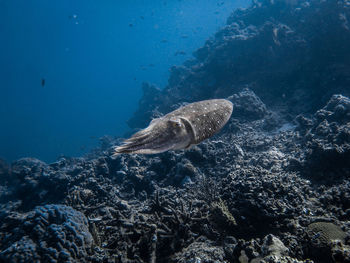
[323, 233]
[50, 233]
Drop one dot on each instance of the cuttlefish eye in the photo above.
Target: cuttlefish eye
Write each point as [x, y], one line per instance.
[176, 123]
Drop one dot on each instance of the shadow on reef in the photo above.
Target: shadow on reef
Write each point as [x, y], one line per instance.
[272, 186]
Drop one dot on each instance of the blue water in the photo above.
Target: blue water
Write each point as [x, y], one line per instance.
[71, 71]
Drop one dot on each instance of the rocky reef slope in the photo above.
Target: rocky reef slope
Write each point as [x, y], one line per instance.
[272, 186]
[287, 52]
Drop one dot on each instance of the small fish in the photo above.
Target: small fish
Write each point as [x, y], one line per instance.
[180, 129]
[74, 16]
[180, 52]
[42, 82]
[131, 25]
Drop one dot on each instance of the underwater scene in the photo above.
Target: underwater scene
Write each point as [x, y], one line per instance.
[190, 131]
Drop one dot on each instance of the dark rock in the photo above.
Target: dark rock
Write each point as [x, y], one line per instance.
[247, 106]
[340, 252]
[327, 141]
[273, 246]
[253, 202]
[205, 252]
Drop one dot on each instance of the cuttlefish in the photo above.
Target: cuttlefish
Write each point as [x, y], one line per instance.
[180, 129]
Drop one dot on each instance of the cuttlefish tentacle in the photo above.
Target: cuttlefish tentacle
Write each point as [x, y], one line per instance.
[136, 143]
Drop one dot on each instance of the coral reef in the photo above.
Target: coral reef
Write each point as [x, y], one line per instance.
[287, 53]
[243, 196]
[327, 137]
[272, 186]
